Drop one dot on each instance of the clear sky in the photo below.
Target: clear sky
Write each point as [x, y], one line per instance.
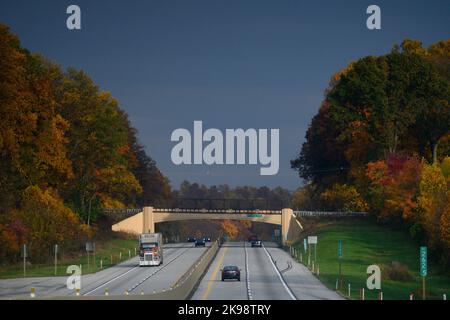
[231, 64]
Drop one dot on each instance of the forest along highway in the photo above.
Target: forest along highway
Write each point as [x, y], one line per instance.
[260, 276]
[126, 276]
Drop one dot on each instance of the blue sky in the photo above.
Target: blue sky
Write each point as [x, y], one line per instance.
[231, 64]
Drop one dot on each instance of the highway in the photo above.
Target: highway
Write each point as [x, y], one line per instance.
[126, 276]
[265, 275]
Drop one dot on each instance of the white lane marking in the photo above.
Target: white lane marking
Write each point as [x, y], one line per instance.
[113, 279]
[157, 270]
[118, 277]
[247, 276]
[279, 275]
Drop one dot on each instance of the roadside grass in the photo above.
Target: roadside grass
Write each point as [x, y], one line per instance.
[366, 243]
[117, 249]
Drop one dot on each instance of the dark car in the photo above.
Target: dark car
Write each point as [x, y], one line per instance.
[231, 272]
[207, 239]
[256, 243]
[199, 243]
[191, 239]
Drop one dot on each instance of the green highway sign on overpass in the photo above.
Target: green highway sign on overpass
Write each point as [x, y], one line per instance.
[254, 215]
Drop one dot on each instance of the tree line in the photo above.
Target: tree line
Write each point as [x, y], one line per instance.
[67, 150]
[380, 142]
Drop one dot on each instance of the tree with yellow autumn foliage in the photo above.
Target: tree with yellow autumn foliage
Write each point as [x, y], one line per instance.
[342, 197]
[433, 202]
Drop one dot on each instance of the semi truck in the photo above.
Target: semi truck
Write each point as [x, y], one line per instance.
[150, 249]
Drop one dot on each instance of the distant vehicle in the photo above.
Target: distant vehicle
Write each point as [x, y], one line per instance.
[200, 242]
[256, 243]
[231, 272]
[252, 238]
[191, 239]
[150, 249]
[207, 239]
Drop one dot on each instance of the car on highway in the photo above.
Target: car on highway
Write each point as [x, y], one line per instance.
[207, 239]
[231, 272]
[200, 242]
[256, 243]
[191, 239]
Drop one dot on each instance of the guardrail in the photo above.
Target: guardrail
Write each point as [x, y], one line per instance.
[180, 290]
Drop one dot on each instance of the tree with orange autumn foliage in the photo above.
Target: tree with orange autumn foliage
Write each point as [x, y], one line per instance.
[394, 187]
[229, 229]
[67, 150]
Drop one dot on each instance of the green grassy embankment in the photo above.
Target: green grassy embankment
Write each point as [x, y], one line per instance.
[366, 243]
[119, 249]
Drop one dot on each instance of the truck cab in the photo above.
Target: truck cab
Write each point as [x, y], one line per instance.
[150, 249]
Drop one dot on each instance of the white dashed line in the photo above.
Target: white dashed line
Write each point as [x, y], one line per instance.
[113, 279]
[156, 271]
[247, 276]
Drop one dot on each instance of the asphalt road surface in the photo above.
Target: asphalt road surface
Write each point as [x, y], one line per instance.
[126, 276]
[265, 275]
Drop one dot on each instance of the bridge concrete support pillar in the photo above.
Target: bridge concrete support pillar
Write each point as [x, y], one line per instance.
[148, 222]
[290, 226]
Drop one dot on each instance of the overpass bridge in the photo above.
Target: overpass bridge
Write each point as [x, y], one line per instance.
[145, 220]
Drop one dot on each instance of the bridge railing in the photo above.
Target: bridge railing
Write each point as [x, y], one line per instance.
[132, 211]
[124, 211]
[330, 214]
[221, 203]
[218, 211]
[297, 213]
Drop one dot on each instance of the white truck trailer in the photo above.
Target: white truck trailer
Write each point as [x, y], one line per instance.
[150, 249]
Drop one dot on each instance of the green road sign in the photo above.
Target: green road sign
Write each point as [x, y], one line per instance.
[254, 215]
[423, 261]
[340, 249]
